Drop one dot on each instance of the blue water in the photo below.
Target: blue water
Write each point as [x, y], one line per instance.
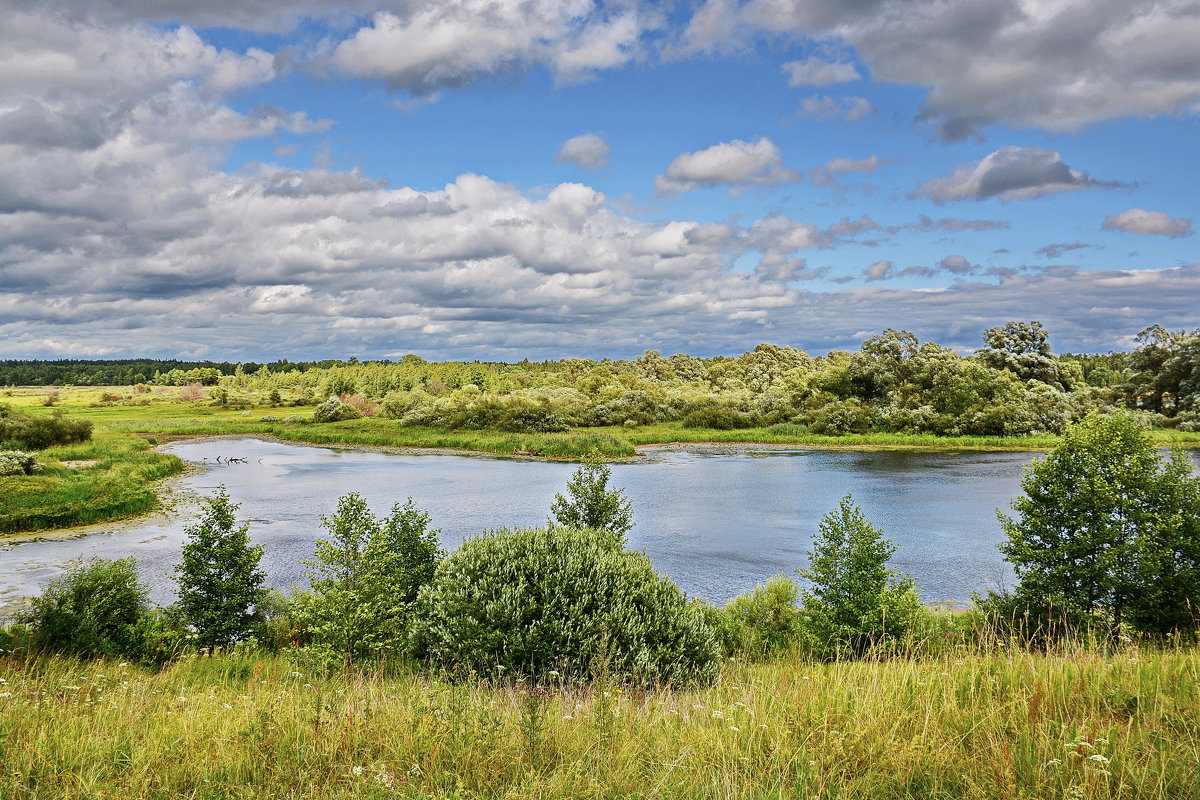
[716, 520]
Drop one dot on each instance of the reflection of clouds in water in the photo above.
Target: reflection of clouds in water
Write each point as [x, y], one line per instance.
[716, 520]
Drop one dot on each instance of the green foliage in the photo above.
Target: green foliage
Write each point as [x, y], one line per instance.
[220, 583]
[1023, 349]
[364, 578]
[37, 432]
[761, 623]
[591, 504]
[334, 410]
[1109, 528]
[855, 603]
[95, 609]
[719, 417]
[527, 602]
[16, 462]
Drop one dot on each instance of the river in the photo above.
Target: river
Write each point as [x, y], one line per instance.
[718, 520]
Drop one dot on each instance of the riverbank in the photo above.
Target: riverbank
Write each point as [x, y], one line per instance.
[1085, 724]
[126, 479]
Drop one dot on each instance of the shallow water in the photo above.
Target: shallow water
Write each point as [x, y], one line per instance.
[716, 520]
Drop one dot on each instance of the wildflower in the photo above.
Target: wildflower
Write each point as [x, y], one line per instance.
[1054, 762]
[356, 771]
[734, 728]
[1098, 758]
[554, 672]
[5, 694]
[567, 716]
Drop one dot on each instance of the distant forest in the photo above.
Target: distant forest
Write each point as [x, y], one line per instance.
[1013, 385]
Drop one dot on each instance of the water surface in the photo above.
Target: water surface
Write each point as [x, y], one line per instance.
[717, 520]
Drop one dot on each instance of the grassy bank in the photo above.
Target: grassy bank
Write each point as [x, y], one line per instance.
[115, 480]
[1082, 725]
[121, 484]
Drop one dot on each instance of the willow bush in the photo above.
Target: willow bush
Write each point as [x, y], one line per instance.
[566, 601]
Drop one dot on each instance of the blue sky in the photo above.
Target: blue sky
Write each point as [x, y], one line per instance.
[500, 179]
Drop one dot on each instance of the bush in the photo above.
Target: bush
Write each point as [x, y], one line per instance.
[762, 622]
[718, 417]
[24, 432]
[15, 462]
[334, 410]
[96, 609]
[530, 601]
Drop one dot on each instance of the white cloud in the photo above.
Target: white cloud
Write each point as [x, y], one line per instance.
[817, 71]
[1058, 65]
[825, 107]
[736, 164]
[436, 45]
[1139, 220]
[1010, 173]
[588, 150]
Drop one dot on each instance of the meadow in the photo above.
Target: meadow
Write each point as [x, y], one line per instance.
[974, 722]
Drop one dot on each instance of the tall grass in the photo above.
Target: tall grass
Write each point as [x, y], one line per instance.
[1084, 724]
[118, 485]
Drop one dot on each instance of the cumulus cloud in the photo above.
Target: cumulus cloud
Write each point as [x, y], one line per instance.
[1041, 65]
[435, 45]
[736, 164]
[823, 108]
[588, 150]
[817, 71]
[1010, 173]
[1139, 220]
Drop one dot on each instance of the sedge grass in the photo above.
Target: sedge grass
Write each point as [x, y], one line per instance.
[1082, 725]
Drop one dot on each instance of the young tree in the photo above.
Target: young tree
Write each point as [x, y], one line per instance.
[364, 578]
[220, 583]
[1109, 527]
[591, 504]
[855, 602]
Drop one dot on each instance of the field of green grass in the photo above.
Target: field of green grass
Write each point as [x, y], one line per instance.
[1076, 726]
[122, 483]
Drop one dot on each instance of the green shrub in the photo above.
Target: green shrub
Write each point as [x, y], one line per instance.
[15, 462]
[591, 504]
[762, 622]
[25, 432]
[718, 417]
[527, 602]
[96, 609]
[364, 577]
[334, 410]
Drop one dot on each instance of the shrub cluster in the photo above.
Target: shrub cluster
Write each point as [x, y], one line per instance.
[29, 432]
[334, 410]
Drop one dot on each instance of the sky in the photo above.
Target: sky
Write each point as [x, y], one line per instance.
[501, 179]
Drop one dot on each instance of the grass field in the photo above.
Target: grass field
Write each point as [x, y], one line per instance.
[122, 483]
[1074, 726]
